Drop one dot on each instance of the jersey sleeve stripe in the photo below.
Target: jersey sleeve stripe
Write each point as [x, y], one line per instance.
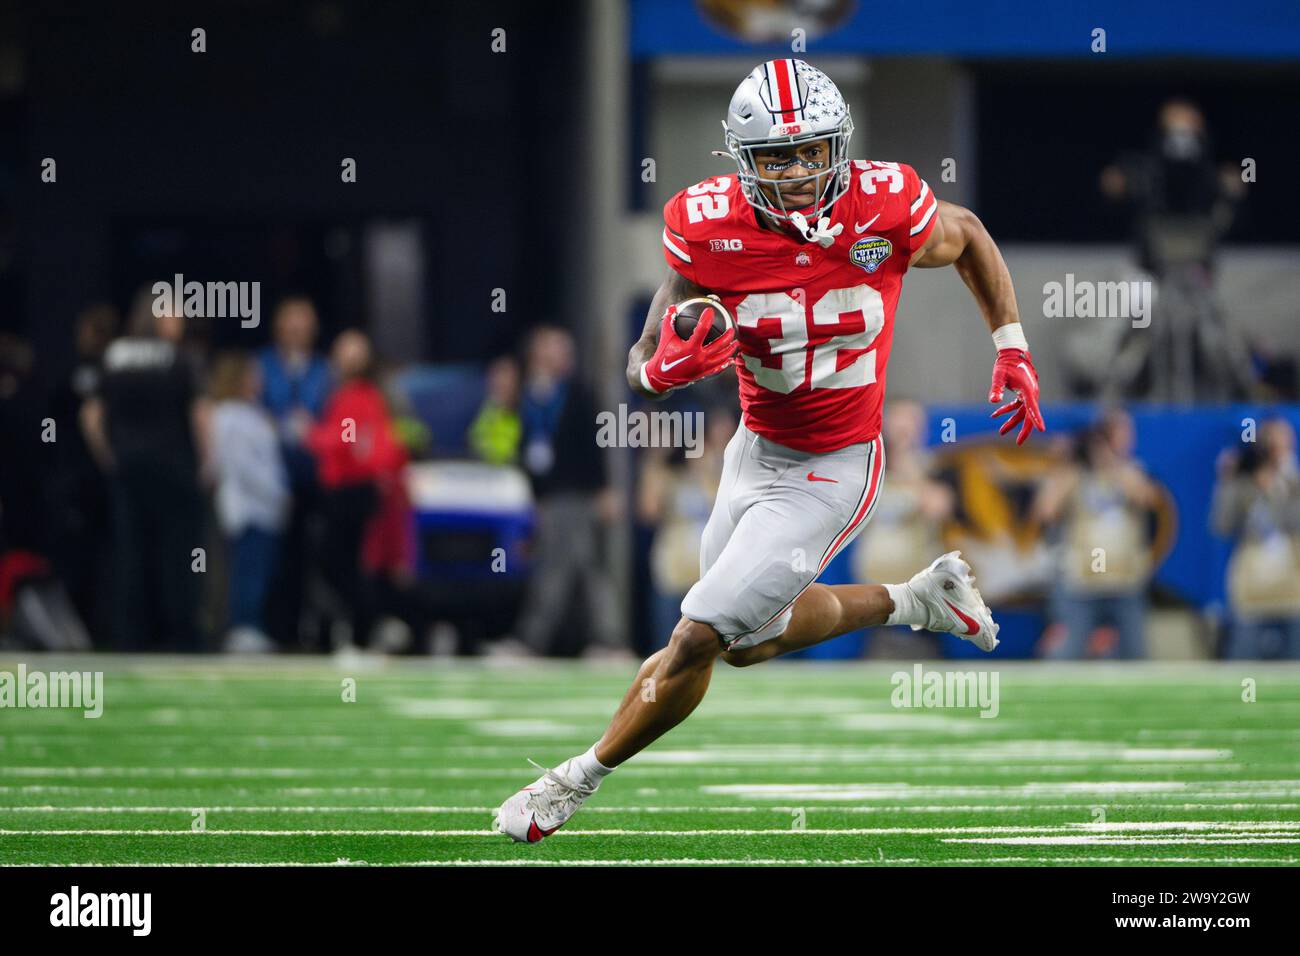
[673, 248]
[925, 220]
[925, 191]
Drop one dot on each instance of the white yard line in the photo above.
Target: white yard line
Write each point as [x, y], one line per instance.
[1102, 840]
[1077, 832]
[391, 809]
[722, 861]
[893, 791]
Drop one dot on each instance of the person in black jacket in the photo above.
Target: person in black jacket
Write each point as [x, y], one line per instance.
[144, 428]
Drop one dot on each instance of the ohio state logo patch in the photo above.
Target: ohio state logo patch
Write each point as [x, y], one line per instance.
[870, 251]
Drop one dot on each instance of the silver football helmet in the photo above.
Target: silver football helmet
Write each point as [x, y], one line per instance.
[786, 103]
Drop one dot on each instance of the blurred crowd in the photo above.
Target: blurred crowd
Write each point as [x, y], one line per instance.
[163, 496]
[166, 496]
[1094, 521]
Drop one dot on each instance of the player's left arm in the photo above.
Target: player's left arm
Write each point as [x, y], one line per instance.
[960, 240]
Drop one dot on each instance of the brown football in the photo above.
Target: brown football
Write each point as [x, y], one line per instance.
[690, 312]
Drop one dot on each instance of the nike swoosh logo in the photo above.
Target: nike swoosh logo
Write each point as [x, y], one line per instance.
[536, 833]
[972, 625]
[812, 477]
[866, 225]
[665, 366]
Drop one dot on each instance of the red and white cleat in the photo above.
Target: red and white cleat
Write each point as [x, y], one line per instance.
[543, 806]
[948, 593]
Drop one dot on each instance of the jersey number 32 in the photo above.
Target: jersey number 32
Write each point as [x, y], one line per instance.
[786, 342]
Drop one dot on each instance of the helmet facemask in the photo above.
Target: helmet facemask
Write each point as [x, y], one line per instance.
[836, 176]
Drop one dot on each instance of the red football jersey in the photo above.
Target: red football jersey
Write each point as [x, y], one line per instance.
[814, 324]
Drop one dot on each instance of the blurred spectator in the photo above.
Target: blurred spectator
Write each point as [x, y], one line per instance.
[1257, 504]
[388, 545]
[34, 607]
[252, 496]
[360, 466]
[495, 433]
[906, 530]
[1181, 202]
[145, 428]
[79, 514]
[296, 382]
[1100, 508]
[676, 497]
[411, 431]
[24, 510]
[573, 500]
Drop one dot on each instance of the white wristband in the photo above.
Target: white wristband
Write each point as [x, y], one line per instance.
[645, 381]
[1010, 337]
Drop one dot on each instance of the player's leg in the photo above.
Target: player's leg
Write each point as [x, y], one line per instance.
[670, 684]
[822, 612]
[941, 597]
[667, 688]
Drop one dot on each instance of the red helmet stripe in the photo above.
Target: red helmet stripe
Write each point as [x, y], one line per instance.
[784, 70]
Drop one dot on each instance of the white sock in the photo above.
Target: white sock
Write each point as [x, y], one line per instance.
[590, 767]
[907, 609]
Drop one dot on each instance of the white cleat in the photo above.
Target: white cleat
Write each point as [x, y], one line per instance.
[947, 591]
[544, 806]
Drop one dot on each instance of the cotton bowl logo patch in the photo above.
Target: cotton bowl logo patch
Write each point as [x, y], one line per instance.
[870, 251]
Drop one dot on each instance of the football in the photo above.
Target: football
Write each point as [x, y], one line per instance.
[690, 312]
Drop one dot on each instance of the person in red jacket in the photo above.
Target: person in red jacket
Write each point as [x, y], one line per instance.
[360, 464]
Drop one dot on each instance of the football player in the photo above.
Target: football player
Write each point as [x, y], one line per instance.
[807, 249]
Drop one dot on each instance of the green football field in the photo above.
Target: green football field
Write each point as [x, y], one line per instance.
[208, 761]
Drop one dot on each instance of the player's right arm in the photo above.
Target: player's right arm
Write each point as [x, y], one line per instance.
[675, 288]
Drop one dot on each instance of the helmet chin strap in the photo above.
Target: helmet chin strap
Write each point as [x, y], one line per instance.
[824, 234]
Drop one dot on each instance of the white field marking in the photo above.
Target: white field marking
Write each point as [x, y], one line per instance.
[743, 861]
[391, 809]
[262, 792]
[453, 708]
[301, 772]
[515, 728]
[1129, 841]
[1234, 733]
[977, 860]
[1009, 750]
[657, 771]
[688, 773]
[895, 722]
[1080, 832]
[463, 708]
[685, 861]
[904, 791]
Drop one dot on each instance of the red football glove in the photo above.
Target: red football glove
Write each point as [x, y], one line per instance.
[1014, 369]
[678, 362]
